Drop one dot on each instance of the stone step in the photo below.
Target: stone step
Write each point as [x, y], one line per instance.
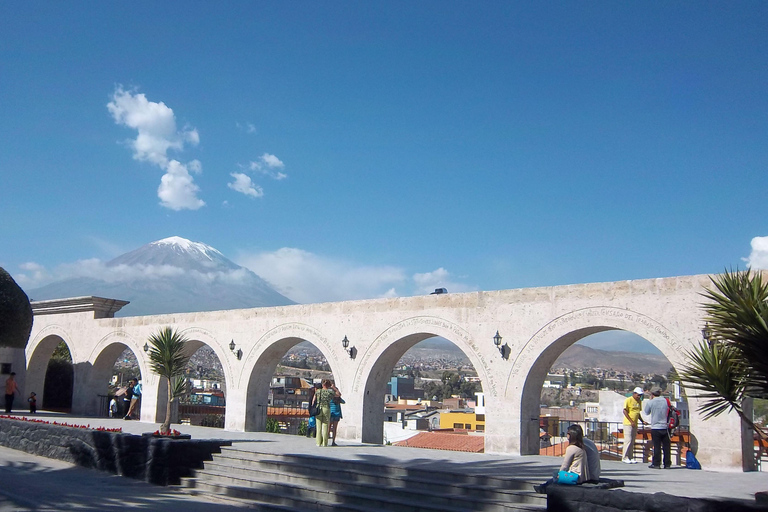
[350, 479]
[458, 476]
[305, 498]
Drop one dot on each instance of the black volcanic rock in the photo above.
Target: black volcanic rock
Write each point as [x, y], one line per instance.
[15, 313]
[173, 275]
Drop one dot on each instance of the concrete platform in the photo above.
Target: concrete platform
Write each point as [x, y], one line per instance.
[638, 477]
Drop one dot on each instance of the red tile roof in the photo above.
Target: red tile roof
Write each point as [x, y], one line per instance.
[556, 450]
[446, 441]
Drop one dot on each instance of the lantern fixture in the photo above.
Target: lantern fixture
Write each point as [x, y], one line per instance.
[349, 350]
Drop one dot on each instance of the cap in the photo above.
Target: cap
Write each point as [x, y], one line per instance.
[638, 390]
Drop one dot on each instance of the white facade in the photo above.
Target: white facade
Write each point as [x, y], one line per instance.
[537, 325]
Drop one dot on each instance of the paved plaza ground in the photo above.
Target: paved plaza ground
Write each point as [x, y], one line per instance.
[28, 482]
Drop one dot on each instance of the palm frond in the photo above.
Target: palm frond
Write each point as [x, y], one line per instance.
[737, 314]
[719, 374]
[167, 357]
[179, 387]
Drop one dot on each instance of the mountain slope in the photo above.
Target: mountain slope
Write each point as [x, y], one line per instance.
[173, 275]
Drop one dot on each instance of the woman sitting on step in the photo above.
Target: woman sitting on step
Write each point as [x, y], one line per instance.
[574, 463]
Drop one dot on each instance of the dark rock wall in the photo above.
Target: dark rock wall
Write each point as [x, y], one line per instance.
[155, 460]
[15, 313]
[562, 498]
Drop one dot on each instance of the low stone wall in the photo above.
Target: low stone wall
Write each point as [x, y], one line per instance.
[160, 461]
[566, 498]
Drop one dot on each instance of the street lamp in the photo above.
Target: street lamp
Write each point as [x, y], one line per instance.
[345, 344]
[497, 342]
[146, 347]
[238, 353]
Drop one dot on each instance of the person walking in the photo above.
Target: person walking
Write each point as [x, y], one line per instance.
[135, 399]
[658, 410]
[632, 410]
[11, 389]
[322, 400]
[335, 413]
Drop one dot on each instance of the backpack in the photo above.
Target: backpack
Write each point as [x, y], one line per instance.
[690, 461]
[673, 417]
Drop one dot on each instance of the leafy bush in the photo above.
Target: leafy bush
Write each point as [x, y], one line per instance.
[213, 420]
[273, 426]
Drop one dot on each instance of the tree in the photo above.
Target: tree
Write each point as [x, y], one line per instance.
[732, 363]
[167, 359]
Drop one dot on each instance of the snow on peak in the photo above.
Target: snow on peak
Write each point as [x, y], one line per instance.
[188, 246]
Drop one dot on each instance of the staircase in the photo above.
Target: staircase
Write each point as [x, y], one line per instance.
[284, 482]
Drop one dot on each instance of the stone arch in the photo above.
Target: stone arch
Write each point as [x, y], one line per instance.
[264, 358]
[39, 352]
[198, 337]
[377, 361]
[101, 360]
[530, 367]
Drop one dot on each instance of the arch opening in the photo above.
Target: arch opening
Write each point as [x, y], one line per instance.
[422, 382]
[204, 402]
[51, 374]
[280, 386]
[584, 377]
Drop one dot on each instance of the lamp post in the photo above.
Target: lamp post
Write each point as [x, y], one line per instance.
[345, 344]
[497, 341]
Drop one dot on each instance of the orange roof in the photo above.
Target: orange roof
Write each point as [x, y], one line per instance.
[287, 411]
[403, 407]
[445, 441]
[556, 450]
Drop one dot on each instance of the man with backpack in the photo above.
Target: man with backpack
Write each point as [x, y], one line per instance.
[658, 410]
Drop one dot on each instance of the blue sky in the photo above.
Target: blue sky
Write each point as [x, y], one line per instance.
[366, 149]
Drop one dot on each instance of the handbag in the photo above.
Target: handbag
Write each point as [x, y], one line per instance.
[567, 477]
[313, 410]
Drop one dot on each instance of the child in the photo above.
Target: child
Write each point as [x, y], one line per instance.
[311, 425]
[113, 408]
[32, 402]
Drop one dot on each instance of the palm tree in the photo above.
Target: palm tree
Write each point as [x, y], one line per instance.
[732, 363]
[167, 359]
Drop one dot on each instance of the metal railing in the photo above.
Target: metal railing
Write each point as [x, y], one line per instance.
[609, 438]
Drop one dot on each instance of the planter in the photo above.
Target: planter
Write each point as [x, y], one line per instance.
[165, 436]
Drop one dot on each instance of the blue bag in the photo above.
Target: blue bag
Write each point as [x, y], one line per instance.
[567, 478]
[690, 461]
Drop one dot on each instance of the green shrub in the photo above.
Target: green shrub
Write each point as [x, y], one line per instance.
[273, 426]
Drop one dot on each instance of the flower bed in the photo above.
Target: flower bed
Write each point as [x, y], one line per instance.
[35, 420]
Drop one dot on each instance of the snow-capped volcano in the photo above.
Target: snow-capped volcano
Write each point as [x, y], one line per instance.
[176, 252]
[173, 275]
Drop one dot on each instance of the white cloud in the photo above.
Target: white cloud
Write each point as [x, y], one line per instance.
[36, 275]
[307, 278]
[440, 278]
[177, 189]
[758, 258]
[269, 165]
[157, 134]
[248, 127]
[32, 274]
[244, 185]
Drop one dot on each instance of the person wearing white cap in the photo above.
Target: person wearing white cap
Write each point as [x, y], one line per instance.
[632, 410]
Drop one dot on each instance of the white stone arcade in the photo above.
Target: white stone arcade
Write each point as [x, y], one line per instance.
[537, 325]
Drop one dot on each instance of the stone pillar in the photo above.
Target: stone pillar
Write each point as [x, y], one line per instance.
[235, 418]
[718, 441]
[152, 399]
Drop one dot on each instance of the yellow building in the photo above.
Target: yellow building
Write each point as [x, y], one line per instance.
[468, 420]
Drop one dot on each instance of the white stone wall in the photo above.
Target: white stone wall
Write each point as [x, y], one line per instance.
[536, 324]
